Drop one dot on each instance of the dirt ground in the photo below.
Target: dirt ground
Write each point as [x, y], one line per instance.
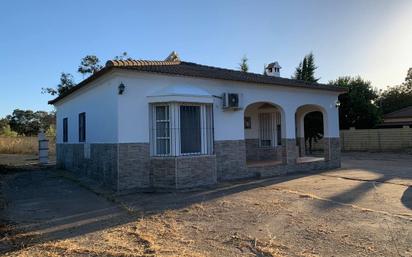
[362, 209]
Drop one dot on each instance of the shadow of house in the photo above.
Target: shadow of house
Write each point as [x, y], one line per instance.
[351, 195]
[69, 220]
[385, 174]
[60, 208]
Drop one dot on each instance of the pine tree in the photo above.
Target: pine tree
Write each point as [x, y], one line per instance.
[243, 66]
[313, 121]
[89, 64]
[306, 69]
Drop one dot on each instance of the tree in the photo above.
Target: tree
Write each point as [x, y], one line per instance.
[89, 65]
[3, 123]
[122, 57]
[243, 66]
[408, 78]
[357, 106]
[66, 83]
[306, 69]
[29, 123]
[313, 121]
[397, 97]
[313, 126]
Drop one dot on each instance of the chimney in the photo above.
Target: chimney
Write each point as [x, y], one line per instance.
[173, 57]
[273, 69]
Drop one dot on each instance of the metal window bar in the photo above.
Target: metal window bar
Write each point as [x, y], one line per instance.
[186, 129]
[267, 129]
[278, 129]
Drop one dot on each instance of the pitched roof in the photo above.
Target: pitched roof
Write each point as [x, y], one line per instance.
[402, 113]
[196, 70]
[273, 64]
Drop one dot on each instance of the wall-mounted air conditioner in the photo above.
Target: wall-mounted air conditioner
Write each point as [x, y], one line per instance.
[232, 101]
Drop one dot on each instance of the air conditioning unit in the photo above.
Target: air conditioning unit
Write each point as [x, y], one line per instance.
[232, 101]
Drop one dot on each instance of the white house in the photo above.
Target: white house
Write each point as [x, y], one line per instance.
[139, 124]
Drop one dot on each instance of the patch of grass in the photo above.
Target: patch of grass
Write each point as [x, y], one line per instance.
[23, 145]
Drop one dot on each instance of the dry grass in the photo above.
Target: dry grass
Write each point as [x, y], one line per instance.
[159, 235]
[23, 145]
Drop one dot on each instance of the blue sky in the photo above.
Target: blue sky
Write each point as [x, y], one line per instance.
[41, 39]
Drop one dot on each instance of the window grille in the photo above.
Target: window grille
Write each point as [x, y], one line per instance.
[181, 129]
[269, 129]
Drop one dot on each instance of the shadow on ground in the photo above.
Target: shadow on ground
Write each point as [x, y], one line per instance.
[45, 206]
[390, 168]
[407, 198]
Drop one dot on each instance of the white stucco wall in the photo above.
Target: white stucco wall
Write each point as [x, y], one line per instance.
[134, 104]
[253, 111]
[125, 118]
[99, 101]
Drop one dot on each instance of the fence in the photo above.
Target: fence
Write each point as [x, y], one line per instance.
[387, 139]
[24, 145]
[380, 140]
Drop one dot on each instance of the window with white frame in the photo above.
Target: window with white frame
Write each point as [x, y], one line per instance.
[269, 129]
[181, 129]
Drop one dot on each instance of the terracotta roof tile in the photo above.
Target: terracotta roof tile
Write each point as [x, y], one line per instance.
[196, 70]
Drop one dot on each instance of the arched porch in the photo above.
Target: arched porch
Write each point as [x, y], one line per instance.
[264, 128]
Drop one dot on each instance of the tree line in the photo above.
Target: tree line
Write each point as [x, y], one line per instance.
[361, 107]
[28, 123]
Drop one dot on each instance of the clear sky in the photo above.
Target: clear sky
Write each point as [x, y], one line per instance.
[41, 39]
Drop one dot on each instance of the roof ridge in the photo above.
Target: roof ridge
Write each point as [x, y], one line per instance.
[138, 62]
[253, 73]
[198, 70]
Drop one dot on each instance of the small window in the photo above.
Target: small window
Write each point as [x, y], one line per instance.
[270, 69]
[65, 130]
[162, 130]
[82, 127]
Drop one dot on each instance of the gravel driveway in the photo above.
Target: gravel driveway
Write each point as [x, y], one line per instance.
[362, 209]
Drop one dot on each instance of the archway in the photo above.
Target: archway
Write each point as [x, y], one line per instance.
[264, 128]
[311, 129]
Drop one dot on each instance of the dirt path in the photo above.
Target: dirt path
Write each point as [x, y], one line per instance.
[363, 209]
[44, 206]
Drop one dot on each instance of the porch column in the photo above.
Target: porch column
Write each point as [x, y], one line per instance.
[332, 138]
[290, 149]
[300, 137]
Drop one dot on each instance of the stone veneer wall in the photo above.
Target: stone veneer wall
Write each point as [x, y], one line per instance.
[332, 151]
[101, 166]
[290, 151]
[332, 160]
[194, 171]
[183, 171]
[129, 166]
[256, 153]
[231, 159]
[302, 146]
[163, 172]
[134, 166]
